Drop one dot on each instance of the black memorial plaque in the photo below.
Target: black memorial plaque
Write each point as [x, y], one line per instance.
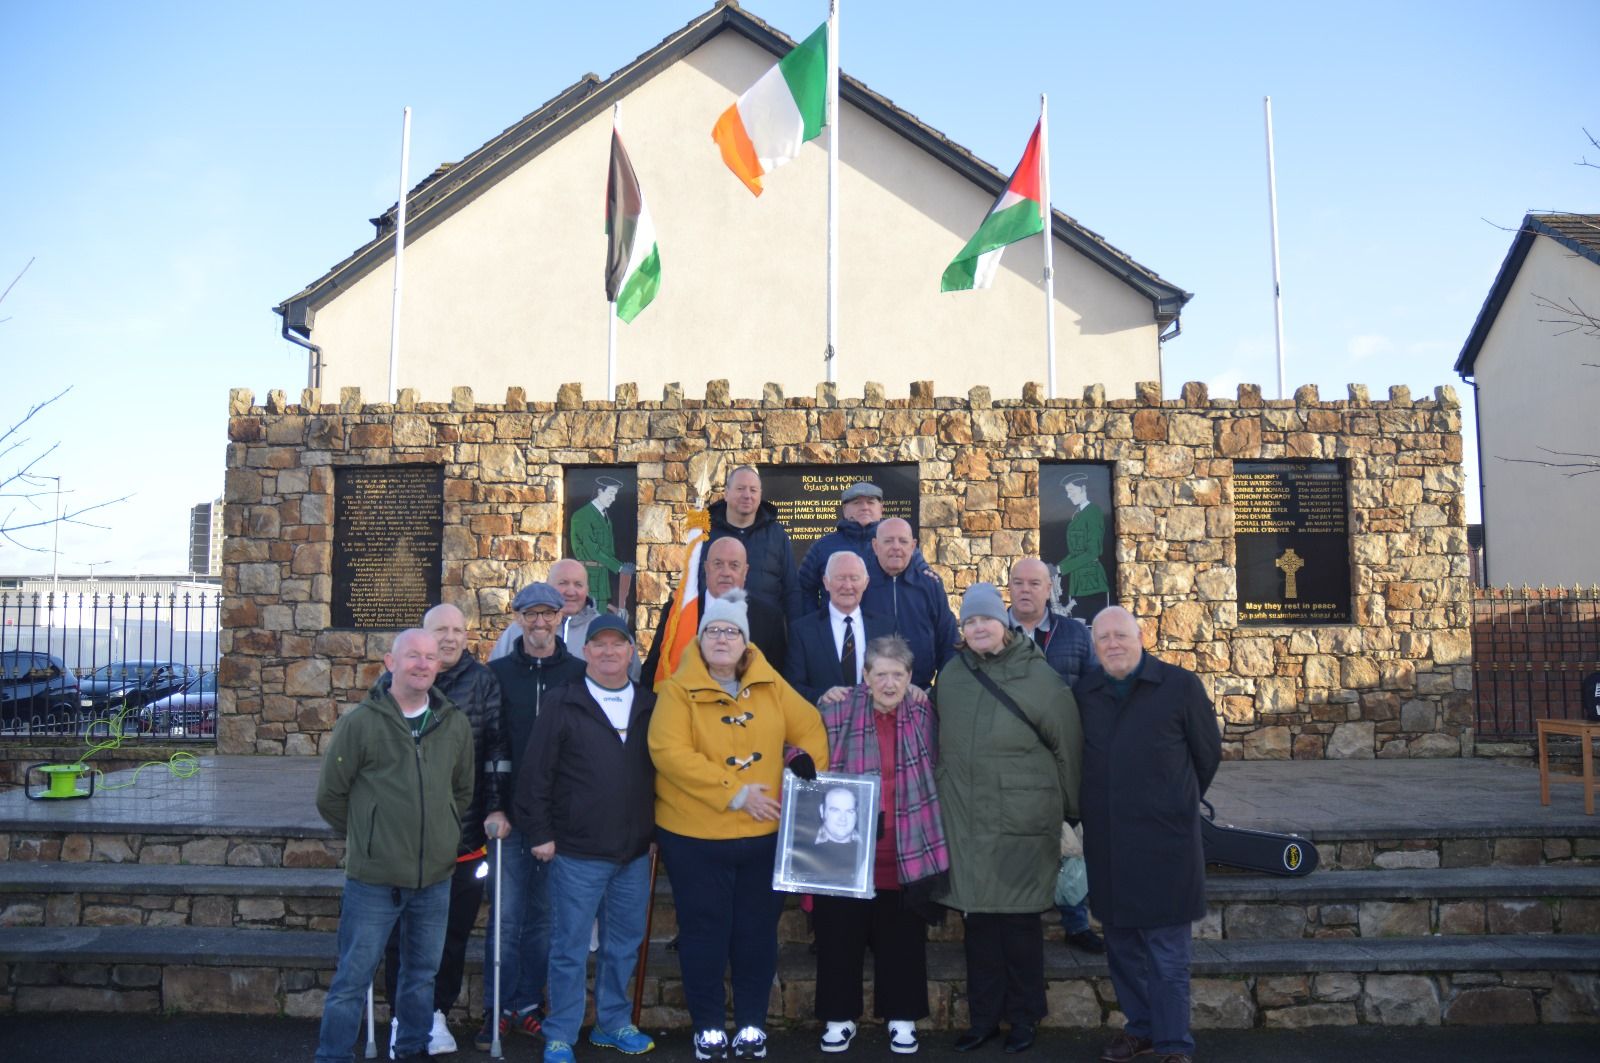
[1292, 534]
[388, 544]
[807, 496]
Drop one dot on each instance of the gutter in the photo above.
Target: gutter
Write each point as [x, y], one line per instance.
[299, 333]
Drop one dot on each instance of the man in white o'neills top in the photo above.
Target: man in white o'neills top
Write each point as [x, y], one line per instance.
[586, 804]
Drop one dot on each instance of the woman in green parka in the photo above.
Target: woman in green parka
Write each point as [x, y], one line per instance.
[1010, 750]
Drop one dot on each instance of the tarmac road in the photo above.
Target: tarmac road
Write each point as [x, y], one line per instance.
[152, 1039]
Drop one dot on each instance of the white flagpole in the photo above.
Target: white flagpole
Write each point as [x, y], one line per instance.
[611, 305]
[399, 257]
[830, 357]
[1049, 247]
[1272, 200]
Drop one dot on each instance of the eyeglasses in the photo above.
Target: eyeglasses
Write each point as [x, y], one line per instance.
[725, 634]
[540, 616]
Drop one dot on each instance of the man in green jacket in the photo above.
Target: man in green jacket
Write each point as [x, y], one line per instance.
[396, 779]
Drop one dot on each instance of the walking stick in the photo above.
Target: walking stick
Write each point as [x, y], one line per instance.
[495, 1051]
[372, 1037]
[644, 946]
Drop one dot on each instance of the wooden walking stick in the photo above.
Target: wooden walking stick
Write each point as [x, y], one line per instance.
[644, 946]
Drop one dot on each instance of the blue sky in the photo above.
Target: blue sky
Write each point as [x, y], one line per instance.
[179, 168]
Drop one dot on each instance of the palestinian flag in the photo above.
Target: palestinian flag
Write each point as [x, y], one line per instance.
[785, 108]
[633, 263]
[1017, 214]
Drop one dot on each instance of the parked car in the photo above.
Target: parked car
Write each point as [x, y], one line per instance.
[190, 713]
[33, 685]
[133, 683]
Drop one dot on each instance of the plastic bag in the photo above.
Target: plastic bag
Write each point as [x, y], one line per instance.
[1072, 882]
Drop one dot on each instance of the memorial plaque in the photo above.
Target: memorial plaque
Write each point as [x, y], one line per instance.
[601, 521]
[1292, 535]
[388, 544]
[1077, 535]
[807, 496]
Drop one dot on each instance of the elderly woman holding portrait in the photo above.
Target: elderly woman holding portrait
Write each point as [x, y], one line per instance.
[1010, 751]
[721, 722]
[883, 727]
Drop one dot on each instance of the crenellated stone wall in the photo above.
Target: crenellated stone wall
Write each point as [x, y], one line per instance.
[1393, 683]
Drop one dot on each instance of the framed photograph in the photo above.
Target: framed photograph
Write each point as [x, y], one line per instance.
[1077, 537]
[601, 524]
[827, 835]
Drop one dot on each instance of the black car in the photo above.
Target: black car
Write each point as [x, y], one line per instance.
[34, 685]
[133, 683]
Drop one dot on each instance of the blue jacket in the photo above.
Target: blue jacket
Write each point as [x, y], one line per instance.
[811, 665]
[857, 538]
[1066, 645]
[919, 609]
[772, 576]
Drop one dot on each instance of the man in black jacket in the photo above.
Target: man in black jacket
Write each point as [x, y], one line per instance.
[530, 676]
[586, 803]
[741, 514]
[1150, 749]
[726, 568]
[472, 689]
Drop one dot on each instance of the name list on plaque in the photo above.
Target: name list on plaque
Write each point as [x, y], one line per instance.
[807, 496]
[388, 544]
[1291, 530]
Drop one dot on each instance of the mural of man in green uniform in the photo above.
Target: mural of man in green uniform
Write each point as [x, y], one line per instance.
[1083, 577]
[594, 543]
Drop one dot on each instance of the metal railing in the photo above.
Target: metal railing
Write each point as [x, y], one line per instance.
[1531, 648]
[70, 664]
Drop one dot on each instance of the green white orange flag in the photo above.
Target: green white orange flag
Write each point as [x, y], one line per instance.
[786, 107]
[633, 262]
[683, 623]
[1016, 215]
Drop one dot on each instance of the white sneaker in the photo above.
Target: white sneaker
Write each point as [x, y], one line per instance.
[837, 1036]
[750, 1043]
[394, 1032]
[902, 1036]
[440, 1041]
[711, 1044]
[594, 937]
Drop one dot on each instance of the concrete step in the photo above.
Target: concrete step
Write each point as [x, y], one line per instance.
[1510, 978]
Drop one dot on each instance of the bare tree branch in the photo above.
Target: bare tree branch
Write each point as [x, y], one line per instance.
[1585, 161]
[28, 487]
[13, 283]
[1587, 464]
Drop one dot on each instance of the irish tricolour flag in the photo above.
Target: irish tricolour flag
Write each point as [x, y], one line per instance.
[1017, 214]
[785, 108]
[633, 263]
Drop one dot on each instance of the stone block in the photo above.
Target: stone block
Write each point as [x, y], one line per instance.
[1218, 1004]
[1394, 919]
[1573, 997]
[1258, 922]
[1461, 917]
[1465, 852]
[1266, 743]
[86, 999]
[1518, 852]
[1070, 1003]
[1335, 987]
[1352, 741]
[1519, 917]
[1491, 1006]
[1282, 990]
[1400, 1000]
[1298, 1018]
[1400, 858]
[221, 990]
[212, 911]
[1580, 916]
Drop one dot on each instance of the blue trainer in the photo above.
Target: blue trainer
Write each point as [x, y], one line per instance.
[558, 1052]
[629, 1039]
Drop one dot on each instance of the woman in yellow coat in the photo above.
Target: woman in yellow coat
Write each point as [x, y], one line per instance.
[721, 722]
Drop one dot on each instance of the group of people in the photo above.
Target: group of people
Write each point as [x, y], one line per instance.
[986, 732]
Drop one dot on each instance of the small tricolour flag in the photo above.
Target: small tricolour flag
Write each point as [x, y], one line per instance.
[786, 107]
[1016, 215]
[633, 262]
[684, 623]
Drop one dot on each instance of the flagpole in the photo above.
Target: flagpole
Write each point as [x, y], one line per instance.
[611, 305]
[1272, 202]
[830, 357]
[399, 257]
[1049, 247]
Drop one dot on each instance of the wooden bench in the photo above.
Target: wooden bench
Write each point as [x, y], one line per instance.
[1585, 732]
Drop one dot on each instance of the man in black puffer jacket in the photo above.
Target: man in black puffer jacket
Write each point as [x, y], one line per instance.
[475, 692]
[772, 577]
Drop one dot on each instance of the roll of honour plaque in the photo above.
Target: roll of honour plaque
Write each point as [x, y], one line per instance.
[1292, 535]
[388, 544]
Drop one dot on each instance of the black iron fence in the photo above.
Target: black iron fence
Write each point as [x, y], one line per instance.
[142, 665]
[1531, 649]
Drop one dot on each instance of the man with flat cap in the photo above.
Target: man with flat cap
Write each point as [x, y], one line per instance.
[860, 509]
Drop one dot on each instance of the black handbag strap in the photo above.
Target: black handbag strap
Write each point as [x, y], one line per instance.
[1005, 699]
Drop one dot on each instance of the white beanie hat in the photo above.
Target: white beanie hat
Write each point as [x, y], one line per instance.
[730, 607]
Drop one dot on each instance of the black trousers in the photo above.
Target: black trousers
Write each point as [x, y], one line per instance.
[1005, 970]
[845, 928]
[466, 896]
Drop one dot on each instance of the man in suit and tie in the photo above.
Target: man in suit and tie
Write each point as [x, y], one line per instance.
[828, 647]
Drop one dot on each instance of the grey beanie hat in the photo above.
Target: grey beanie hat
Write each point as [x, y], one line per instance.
[729, 607]
[983, 599]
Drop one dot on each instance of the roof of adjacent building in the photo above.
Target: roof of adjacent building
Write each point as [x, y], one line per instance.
[452, 186]
[1578, 233]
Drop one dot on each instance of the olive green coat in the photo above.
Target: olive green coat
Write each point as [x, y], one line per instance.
[1002, 793]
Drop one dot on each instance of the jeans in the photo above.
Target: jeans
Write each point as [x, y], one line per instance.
[524, 928]
[580, 890]
[1150, 972]
[366, 915]
[466, 897]
[1074, 917]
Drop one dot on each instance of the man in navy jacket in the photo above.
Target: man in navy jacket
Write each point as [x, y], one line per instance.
[817, 664]
[913, 598]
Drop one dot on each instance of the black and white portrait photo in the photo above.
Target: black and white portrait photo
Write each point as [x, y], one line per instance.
[826, 835]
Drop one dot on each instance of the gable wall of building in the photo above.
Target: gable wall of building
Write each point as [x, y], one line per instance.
[509, 290]
[1393, 683]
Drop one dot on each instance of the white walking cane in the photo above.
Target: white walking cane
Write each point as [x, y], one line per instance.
[494, 1016]
[372, 1037]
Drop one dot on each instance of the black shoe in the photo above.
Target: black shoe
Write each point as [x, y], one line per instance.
[1087, 941]
[976, 1038]
[1020, 1038]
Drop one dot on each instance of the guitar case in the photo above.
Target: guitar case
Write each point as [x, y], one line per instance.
[1255, 850]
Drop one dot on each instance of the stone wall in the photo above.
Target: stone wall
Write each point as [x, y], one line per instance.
[1394, 683]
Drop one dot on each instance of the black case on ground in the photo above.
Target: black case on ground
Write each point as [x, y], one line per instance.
[1255, 850]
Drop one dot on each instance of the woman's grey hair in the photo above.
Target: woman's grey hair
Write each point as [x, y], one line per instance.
[892, 647]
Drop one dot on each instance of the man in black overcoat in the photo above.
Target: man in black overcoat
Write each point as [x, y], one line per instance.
[1150, 749]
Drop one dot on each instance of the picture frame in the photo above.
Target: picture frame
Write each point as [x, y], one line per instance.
[821, 849]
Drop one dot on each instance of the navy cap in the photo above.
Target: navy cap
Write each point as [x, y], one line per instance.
[607, 622]
[534, 595]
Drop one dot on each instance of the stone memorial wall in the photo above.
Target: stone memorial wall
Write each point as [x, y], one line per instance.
[1391, 682]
